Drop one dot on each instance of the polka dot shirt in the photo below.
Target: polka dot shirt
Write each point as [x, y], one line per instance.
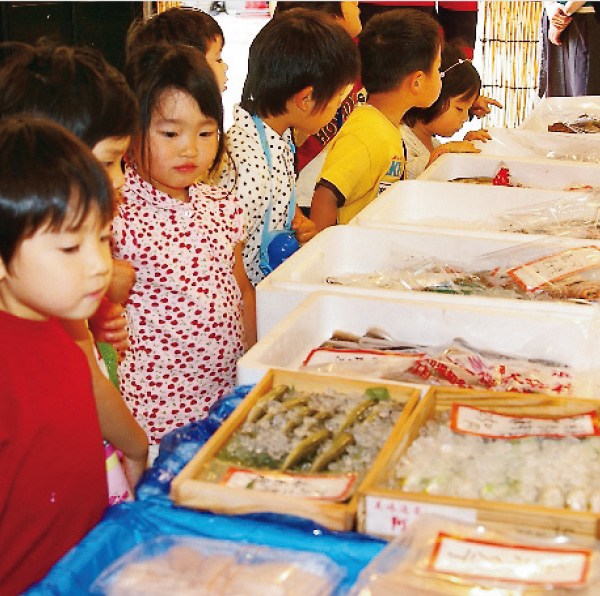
[185, 309]
[251, 182]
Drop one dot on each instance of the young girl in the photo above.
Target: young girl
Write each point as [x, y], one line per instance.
[191, 310]
[460, 89]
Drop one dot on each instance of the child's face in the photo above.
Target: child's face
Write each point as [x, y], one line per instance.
[452, 120]
[109, 152]
[61, 273]
[181, 144]
[215, 61]
[319, 117]
[350, 20]
[431, 84]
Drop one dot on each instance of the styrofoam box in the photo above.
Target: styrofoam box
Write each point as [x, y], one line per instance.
[415, 205]
[553, 109]
[341, 250]
[518, 333]
[531, 173]
[516, 142]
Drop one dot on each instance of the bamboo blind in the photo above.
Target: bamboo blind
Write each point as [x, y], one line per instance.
[507, 55]
[162, 6]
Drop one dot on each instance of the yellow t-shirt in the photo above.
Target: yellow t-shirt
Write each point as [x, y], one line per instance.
[364, 158]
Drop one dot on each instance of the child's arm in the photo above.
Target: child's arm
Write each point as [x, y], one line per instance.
[108, 323]
[453, 147]
[305, 228]
[117, 424]
[323, 209]
[248, 298]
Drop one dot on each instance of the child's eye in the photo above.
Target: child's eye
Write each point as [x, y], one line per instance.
[169, 134]
[208, 133]
[70, 249]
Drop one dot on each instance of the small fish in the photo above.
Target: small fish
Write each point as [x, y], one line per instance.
[340, 443]
[262, 402]
[305, 448]
[300, 415]
[356, 413]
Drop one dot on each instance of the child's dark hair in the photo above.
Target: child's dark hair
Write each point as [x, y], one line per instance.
[461, 79]
[73, 86]
[48, 177]
[186, 26]
[298, 49]
[395, 44]
[152, 70]
[333, 9]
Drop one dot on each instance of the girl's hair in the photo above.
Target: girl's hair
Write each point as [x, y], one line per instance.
[333, 9]
[461, 79]
[152, 70]
[48, 178]
[298, 49]
[75, 87]
[186, 26]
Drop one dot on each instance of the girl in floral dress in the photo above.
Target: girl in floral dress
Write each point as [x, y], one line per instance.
[191, 311]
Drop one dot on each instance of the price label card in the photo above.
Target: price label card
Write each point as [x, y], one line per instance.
[485, 423]
[391, 517]
[536, 274]
[509, 562]
[331, 487]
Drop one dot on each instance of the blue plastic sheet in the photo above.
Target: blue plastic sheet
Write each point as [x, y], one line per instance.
[153, 514]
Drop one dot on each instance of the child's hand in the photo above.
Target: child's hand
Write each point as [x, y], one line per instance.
[133, 469]
[122, 280]
[478, 135]
[481, 106]
[305, 228]
[108, 324]
[452, 147]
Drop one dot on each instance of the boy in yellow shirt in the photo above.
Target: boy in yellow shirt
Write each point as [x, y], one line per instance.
[400, 56]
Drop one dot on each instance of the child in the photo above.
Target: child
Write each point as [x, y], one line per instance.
[299, 67]
[460, 89]
[400, 54]
[55, 211]
[311, 151]
[78, 89]
[184, 240]
[185, 26]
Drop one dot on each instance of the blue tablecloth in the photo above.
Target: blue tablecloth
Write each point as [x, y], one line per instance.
[126, 525]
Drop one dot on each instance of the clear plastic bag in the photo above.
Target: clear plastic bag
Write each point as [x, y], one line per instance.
[442, 557]
[191, 566]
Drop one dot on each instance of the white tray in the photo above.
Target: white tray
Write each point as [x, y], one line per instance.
[552, 109]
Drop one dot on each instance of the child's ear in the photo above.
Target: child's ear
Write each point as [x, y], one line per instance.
[415, 81]
[3, 272]
[304, 99]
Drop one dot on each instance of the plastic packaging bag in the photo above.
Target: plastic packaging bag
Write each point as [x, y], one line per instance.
[191, 566]
[457, 364]
[441, 557]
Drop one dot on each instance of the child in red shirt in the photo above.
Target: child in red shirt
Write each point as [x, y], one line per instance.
[55, 262]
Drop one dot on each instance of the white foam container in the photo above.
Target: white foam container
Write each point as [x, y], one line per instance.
[420, 205]
[341, 250]
[525, 143]
[569, 337]
[552, 109]
[548, 174]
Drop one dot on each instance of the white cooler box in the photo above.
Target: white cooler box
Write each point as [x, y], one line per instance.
[342, 250]
[418, 205]
[531, 173]
[555, 109]
[569, 337]
[524, 143]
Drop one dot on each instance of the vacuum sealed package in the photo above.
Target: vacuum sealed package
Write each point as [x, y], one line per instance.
[192, 566]
[577, 217]
[442, 557]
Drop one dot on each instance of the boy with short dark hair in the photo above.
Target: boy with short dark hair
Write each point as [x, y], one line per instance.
[186, 26]
[400, 60]
[299, 67]
[55, 261]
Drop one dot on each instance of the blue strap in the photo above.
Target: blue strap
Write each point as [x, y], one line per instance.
[260, 127]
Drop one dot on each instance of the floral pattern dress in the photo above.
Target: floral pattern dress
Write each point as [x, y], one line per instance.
[185, 309]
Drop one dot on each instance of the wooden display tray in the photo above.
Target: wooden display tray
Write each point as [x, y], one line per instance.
[188, 490]
[387, 512]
